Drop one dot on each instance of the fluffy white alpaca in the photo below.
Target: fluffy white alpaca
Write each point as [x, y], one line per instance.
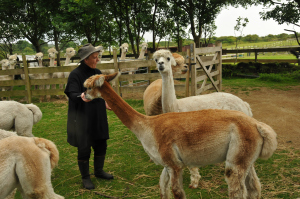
[5, 66]
[192, 139]
[153, 93]
[13, 59]
[39, 57]
[26, 164]
[170, 103]
[144, 47]
[70, 52]
[19, 117]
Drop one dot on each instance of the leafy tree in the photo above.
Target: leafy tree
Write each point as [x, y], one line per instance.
[241, 23]
[208, 32]
[205, 11]
[283, 12]
[27, 19]
[181, 22]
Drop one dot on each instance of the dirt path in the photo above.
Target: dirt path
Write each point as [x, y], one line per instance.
[278, 108]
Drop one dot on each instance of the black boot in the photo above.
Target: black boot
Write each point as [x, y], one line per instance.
[85, 174]
[98, 166]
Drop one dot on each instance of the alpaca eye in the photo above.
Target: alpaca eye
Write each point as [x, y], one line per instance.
[168, 58]
[155, 60]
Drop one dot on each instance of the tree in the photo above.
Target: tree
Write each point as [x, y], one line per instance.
[181, 22]
[205, 11]
[208, 32]
[241, 23]
[283, 12]
[28, 19]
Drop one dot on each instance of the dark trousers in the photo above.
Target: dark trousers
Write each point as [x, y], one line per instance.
[99, 148]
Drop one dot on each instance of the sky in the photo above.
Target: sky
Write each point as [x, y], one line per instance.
[226, 21]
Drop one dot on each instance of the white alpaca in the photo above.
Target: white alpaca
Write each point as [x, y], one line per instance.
[153, 93]
[52, 54]
[70, 52]
[26, 164]
[19, 117]
[193, 139]
[6, 65]
[39, 57]
[144, 47]
[13, 59]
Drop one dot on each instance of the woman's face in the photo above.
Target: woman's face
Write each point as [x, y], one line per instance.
[92, 60]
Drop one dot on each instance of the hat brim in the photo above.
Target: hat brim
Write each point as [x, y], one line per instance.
[96, 50]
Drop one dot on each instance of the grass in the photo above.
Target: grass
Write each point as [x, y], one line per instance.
[138, 177]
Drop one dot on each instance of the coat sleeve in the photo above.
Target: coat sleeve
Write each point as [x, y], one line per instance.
[74, 88]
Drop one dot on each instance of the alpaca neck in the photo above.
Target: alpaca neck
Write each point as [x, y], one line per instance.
[142, 54]
[67, 62]
[123, 56]
[40, 63]
[132, 119]
[169, 101]
[51, 61]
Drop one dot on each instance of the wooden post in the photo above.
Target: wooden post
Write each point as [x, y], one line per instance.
[219, 66]
[255, 55]
[27, 81]
[193, 70]
[187, 79]
[116, 66]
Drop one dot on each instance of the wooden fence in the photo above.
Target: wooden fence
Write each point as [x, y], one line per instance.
[202, 74]
[256, 52]
[150, 64]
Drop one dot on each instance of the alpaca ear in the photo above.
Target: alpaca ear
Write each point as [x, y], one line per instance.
[100, 81]
[173, 62]
[112, 76]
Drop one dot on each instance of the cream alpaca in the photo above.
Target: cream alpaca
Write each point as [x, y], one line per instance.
[153, 93]
[26, 164]
[70, 52]
[144, 47]
[19, 117]
[193, 139]
[5, 66]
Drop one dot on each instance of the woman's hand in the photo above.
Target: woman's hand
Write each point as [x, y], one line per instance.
[107, 107]
[83, 98]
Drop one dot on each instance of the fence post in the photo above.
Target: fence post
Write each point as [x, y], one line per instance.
[193, 70]
[219, 66]
[116, 66]
[187, 79]
[27, 81]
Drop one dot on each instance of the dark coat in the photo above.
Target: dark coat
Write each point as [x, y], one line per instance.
[87, 121]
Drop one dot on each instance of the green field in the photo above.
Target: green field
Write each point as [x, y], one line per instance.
[138, 177]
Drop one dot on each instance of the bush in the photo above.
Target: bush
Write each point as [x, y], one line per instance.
[255, 68]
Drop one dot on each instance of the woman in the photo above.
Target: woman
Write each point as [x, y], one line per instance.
[87, 120]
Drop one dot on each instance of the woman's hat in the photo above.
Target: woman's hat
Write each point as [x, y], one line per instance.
[86, 50]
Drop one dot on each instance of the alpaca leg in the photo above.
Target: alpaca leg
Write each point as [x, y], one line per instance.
[130, 82]
[41, 87]
[195, 177]
[235, 177]
[176, 181]
[164, 184]
[253, 184]
[36, 184]
[49, 96]
[12, 194]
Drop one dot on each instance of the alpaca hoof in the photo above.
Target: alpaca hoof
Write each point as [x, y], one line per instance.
[193, 186]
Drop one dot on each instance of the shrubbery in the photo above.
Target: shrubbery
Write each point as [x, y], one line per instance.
[271, 71]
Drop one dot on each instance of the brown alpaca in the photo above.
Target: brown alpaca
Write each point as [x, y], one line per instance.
[198, 138]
